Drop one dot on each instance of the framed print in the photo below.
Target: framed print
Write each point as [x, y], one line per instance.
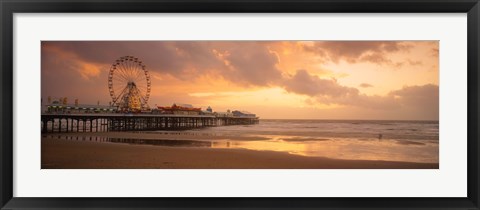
[239, 105]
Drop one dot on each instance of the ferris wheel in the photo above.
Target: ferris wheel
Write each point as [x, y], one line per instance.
[129, 83]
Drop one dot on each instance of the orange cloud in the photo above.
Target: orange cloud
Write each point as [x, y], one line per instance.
[88, 70]
[359, 51]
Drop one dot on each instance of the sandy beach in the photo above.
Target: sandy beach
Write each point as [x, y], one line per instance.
[70, 154]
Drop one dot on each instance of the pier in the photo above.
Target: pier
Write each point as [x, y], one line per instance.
[129, 87]
[64, 123]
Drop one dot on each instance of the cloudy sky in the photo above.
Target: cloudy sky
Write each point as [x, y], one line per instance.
[278, 79]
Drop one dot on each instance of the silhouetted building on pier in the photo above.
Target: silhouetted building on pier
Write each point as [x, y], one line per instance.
[180, 109]
[237, 113]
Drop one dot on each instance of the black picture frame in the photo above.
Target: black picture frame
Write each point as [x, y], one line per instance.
[9, 7]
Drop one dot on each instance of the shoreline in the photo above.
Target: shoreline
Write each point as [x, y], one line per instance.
[67, 154]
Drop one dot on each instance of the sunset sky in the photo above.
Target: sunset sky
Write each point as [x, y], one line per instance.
[393, 80]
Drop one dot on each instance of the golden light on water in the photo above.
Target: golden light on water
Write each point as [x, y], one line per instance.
[348, 149]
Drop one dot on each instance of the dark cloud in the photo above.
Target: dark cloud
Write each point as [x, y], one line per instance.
[249, 64]
[365, 85]
[421, 99]
[422, 96]
[252, 63]
[414, 63]
[328, 91]
[357, 51]
[419, 102]
[376, 58]
[304, 83]
[167, 57]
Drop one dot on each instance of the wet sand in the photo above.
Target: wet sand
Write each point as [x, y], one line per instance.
[66, 154]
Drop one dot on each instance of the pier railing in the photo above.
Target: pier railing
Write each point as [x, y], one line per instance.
[105, 122]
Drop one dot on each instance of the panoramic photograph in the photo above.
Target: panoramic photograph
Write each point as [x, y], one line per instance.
[342, 104]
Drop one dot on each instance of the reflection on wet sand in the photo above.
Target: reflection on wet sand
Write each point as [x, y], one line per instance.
[337, 148]
[158, 142]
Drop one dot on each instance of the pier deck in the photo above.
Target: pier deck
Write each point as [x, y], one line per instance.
[135, 122]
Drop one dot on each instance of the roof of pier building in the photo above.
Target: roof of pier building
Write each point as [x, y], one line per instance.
[179, 107]
[243, 113]
[209, 109]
